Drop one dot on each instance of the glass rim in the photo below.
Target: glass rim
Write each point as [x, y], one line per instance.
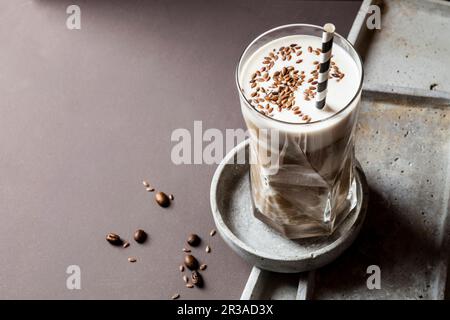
[248, 103]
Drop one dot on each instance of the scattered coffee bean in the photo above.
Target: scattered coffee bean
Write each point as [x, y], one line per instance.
[162, 199]
[212, 233]
[132, 260]
[189, 285]
[150, 189]
[114, 239]
[194, 240]
[197, 279]
[181, 268]
[146, 184]
[140, 236]
[191, 262]
[171, 197]
[185, 279]
[208, 249]
[126, 244]
[203, 267]
[186, 250]
[175, 296]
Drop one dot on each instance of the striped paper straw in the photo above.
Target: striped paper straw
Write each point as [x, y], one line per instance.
[325, 56]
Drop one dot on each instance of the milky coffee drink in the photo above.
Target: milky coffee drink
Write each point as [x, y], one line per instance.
[307, 187]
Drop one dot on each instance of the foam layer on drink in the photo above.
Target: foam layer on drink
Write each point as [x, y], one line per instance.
[263, 80]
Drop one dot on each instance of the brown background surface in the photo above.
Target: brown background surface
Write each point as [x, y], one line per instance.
[87, 114]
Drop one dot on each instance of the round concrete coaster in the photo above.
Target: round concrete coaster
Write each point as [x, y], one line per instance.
[261, 245]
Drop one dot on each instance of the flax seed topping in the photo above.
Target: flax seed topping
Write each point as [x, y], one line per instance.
[284, 81]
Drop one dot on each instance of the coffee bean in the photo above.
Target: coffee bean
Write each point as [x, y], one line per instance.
[189, 285]
[203, 267]
[114, 239]
[132, 260]
[212, 233]
[185, 279]
[162, 199]
[140, 236]
[194, 240]
[175, 296]
[126, 244]
[208, 249]
[186, 250]
[181, 268]
[197, 279]
[171, 197]
[191, 262]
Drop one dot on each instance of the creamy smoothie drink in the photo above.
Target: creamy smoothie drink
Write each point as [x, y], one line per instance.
[302, 157]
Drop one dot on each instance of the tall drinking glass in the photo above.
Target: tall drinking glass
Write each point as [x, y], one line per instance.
[302, 172]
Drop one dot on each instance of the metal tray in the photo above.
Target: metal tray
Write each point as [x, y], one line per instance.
[403, 145]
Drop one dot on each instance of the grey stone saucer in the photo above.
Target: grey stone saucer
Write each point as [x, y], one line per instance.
[261, 245]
